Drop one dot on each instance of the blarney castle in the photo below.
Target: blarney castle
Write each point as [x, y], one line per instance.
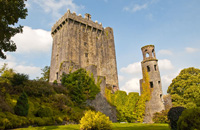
[81, 43]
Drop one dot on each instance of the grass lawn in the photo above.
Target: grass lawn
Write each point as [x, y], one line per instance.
[116, 126]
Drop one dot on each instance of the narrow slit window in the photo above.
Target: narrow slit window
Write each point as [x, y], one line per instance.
[151, 84]
[160, 95]
[148, 69]
[86, 54]
[158, 82]
[155, 67]
[57, 75]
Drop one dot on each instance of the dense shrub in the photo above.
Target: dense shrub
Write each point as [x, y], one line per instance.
[95, 121]
[38, 88]
[80, 85]
[173, 116]
[22, 105]
[19, 79]
[44, 112]
[161, 117]
[189, 119]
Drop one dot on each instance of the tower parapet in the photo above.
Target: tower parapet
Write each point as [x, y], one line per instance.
[78, 43]
[86, 21]
[150, 64]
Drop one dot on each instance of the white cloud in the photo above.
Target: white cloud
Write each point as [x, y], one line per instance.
[54, 6]
[191, 50]
[131, 85]
[136, 7]
[120, 77]
[165, 52]
[132, 68]
[165, 64]
[33, 41]
[32, 71]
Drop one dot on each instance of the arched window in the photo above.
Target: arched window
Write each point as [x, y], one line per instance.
[147, 54]
[153, 53]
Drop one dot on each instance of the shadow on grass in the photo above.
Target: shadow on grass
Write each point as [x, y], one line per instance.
[132, 126]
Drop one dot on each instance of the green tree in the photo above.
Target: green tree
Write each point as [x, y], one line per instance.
[81, 86]
[185, 88]
[22, 105]
[6, 74]
[10, 13]
[45, 74]
[19, 79]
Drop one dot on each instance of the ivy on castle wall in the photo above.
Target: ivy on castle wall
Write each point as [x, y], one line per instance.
[145, 96]
[125, 104]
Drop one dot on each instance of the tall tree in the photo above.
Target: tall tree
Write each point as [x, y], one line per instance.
[10, 13]
[45, 74]
[185, 88]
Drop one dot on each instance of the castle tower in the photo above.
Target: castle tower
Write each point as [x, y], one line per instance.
[150, 63]
[79, 43]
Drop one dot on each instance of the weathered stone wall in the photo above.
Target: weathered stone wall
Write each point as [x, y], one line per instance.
[100, 103]
[167, 101]
[150, 63]
[83, 42]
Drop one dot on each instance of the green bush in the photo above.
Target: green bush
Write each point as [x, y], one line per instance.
[189, 119]
[22, 105]
[38, 88]
[19, 79]
[173, 116]
[95, 121]
[161, 117]
[44, 112]
[81, 86]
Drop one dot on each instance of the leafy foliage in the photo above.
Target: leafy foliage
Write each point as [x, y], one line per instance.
[10, 12]
[125, 104]
[161, 117]
[189, 119]
[22, 106]
[45, 74]
[145, 96]
[80, 86]
[173, 116]
[19, 79]
[6, 74]
[185, 88]
[95, 121]
[44, 112]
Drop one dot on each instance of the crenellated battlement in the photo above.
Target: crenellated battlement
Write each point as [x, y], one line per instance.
[76, 18]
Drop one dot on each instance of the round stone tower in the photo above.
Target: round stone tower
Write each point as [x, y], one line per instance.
[150, 63]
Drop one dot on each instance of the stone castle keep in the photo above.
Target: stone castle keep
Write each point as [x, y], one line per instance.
[150, 63]
[81, 43]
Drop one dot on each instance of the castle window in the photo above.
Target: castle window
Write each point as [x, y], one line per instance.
[151, 84]
[158, 82]
[86, 54]
[57, 75]
[147, 54]
[148, 69]
[153, 53]
[160, 95]
[155, 67]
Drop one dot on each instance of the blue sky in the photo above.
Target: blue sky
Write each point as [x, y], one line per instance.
[173, 26]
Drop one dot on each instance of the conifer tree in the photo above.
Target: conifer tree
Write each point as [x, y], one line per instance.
[22, 105]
